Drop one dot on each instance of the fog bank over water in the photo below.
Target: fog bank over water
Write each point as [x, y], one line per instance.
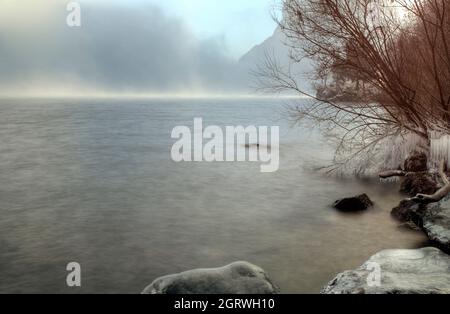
[119, 48]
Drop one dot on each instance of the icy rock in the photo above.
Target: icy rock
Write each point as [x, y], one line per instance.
[436, 224]
[423, 271]
[418, 162]
[236, 278]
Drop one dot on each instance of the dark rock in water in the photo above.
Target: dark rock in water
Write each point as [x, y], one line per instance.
[423, 271]
[418, 162]
[436, 224]
[410, 211]
[236, 278]
[419, 183]
[433, 219]
[351, 204]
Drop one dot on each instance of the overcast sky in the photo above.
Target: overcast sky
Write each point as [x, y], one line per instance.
[154, 46]
[243, 23]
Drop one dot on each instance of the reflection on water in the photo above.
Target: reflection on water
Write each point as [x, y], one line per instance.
[93, 182]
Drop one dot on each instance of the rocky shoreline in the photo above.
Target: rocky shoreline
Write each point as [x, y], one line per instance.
[420, 271]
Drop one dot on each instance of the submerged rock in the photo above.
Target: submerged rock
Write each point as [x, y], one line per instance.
[423, 271]
[419, 183]
[351, 204]
[418, 162]
[236, 278]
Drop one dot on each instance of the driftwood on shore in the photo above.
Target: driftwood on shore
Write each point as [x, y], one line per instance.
[424, 198]
[440, 194]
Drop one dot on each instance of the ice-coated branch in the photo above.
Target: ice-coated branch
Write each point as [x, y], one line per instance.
[393, 173]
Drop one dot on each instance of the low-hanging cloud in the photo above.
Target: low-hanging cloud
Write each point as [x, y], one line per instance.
[119, 47]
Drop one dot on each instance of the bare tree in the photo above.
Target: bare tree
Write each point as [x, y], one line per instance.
[398, 50]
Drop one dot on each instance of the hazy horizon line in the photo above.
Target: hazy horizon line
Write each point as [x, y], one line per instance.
[150, 96]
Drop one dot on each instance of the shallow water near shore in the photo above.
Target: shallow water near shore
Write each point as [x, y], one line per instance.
[93, 182]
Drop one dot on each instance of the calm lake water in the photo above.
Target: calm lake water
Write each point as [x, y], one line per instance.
[93, 182]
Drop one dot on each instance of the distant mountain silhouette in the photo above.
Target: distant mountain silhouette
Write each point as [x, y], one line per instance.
[277, 46]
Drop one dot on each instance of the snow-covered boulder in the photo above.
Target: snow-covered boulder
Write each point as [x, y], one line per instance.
[436, 224]
[423, 271]
[236, 278]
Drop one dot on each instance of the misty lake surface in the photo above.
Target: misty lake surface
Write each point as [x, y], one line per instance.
[93, 182]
